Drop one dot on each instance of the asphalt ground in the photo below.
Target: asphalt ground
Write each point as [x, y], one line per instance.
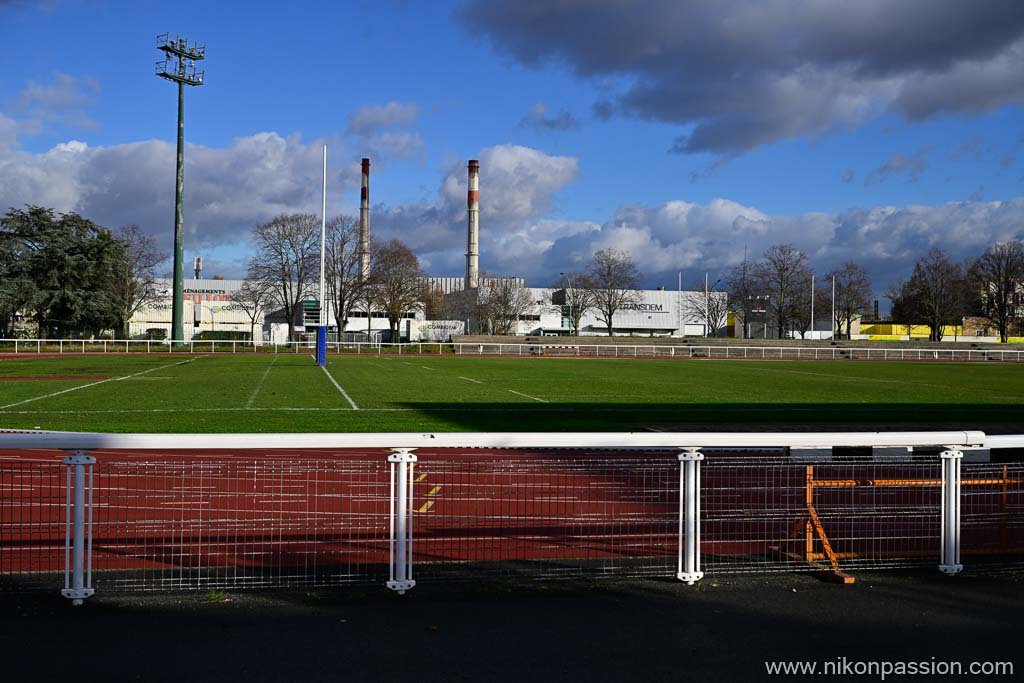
[723, 629]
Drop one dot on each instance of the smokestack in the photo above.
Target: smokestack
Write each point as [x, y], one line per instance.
[473, 227]
[364, 223]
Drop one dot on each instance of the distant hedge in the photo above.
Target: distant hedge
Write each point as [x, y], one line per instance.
[222, 335]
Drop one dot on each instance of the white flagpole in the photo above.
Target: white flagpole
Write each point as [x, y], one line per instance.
[812, 307]
[323, 247]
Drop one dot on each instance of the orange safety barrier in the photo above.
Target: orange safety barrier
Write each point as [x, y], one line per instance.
[813, 530]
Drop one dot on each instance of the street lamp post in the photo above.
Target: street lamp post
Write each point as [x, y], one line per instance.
[179, 65]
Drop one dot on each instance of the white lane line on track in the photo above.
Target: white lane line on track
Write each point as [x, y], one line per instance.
[102, 381]
[475, 381]
[259, 385]
[338, 387]
[519, 393]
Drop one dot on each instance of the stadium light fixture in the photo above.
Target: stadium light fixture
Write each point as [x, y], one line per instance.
[179, 65]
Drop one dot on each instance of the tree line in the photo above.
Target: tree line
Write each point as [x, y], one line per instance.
[70, 276]
[942, 291]
[779, 290]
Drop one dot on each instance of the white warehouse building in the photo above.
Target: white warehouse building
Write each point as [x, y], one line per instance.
[656, 313]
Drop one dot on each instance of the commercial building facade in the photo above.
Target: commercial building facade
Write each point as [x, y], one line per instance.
[653, 313]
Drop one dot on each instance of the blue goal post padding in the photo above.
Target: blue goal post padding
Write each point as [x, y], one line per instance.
[321, 346]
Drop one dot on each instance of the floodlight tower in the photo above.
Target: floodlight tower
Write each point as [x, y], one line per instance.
[179, 66]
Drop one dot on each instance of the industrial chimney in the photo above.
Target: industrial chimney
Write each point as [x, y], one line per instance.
[473, 227]
[364, 223]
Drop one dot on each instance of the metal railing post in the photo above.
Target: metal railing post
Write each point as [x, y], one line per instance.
[402, 462]
[78, 530]
[950, 546]
[689, 516]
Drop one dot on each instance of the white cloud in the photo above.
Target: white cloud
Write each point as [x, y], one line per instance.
[373, 117]
[522, 230]
[61, 102]
[537, 117]
[227, 190]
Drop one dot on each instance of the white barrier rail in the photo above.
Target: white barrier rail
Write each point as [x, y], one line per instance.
[87, 441]
[489, 491]
[616, 350]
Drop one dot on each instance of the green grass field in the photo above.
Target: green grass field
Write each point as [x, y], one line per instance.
[289, 393]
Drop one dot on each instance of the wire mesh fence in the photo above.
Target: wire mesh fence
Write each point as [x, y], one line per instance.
[992, 517]
[797, 514]
[32, 523]
[546, 515]
[168, 521]
[239, 524]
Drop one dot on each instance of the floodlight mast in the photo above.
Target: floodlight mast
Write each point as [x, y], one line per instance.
[179, 66]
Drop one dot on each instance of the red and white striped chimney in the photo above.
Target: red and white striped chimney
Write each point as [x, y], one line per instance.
[364, 223]
[473, 227]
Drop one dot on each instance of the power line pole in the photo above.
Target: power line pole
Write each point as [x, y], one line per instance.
[179, 66]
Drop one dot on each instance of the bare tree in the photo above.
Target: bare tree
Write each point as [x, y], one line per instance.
[396, 282]
[711, 308]
[804, 301]
[744, 293]
[997, 277]
[937, 287]
[134, 281]
[853, 294]
[577, 297]
[905, 308]
[783, 274]
[615, 283]
[287, 260]
[342, 267]
[502, 301]
[253, 298]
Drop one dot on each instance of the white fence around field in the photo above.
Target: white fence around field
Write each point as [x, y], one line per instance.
[251, 511]
[515, 349]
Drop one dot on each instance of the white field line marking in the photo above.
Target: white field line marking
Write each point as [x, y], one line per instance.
[522, 408]
[426, 367]
[259, 385]
[475, 381]
[92, 384]
[338, 387]
[519, 393]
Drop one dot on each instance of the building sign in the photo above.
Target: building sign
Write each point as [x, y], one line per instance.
[644, 308]
[197, 295]
[441, 330]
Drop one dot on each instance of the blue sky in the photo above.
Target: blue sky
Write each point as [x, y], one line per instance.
[683, 134]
